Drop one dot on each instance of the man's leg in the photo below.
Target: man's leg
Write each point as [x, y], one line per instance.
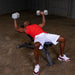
[36, 54]
[62, 57]
[61, 40]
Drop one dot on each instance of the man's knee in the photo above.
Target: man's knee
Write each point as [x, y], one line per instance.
[37, 45]
[61, 39]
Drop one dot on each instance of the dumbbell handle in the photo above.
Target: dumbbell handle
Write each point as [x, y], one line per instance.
[45, 12]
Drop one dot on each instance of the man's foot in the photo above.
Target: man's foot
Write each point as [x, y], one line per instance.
[63, 58]
[36, 69]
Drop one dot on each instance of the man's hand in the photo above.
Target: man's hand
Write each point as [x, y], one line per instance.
[42, 13]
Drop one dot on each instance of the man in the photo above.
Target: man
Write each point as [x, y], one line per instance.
[40, 37]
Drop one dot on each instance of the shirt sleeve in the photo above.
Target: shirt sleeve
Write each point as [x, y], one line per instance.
[26, 31]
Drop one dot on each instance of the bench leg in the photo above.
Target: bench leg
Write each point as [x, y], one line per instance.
[48, 56]
[29, 45]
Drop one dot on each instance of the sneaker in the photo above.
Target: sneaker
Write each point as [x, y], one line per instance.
[63, 58]
[36, 69]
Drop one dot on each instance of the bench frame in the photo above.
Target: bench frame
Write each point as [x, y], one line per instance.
[45, 49]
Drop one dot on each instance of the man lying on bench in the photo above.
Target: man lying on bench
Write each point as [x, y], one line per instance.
[40, 37]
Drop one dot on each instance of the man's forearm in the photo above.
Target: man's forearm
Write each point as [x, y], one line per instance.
[15, 24]
[43, 19]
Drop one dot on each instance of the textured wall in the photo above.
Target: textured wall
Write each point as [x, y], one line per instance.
[57, 7]
[11, 5]
[72, 11]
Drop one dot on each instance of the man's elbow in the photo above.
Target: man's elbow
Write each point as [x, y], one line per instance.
[44, 23]
[16, 29]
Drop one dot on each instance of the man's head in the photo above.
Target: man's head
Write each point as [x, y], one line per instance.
[26, 23]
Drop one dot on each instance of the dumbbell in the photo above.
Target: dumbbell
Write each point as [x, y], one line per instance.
[45, 12]
[15, 15]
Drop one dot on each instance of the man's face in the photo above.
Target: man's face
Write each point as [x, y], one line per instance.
[26, 23]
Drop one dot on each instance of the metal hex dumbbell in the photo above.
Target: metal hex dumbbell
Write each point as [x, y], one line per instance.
[45, 12]
[15, 15]
[38, 12]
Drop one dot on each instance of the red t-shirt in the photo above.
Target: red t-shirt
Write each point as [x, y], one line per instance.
[34, 30]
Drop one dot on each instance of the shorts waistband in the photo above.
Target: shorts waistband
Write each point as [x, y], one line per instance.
[40, 34]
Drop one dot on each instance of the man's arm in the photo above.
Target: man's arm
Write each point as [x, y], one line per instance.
[43, 20]
[18, 28]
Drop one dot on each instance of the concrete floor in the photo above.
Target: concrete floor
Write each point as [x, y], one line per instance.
[21, 61]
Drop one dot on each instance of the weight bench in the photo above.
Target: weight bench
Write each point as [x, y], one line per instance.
[45, 49]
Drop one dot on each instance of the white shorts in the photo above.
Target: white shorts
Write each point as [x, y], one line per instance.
[46, 37]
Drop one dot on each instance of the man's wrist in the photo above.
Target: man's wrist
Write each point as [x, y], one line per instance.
[42, 14]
